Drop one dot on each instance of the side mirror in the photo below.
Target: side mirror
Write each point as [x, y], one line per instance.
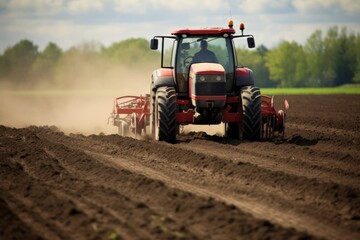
[154, 44]
[251, 42]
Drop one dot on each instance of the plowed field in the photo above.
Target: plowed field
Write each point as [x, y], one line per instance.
[74, 186]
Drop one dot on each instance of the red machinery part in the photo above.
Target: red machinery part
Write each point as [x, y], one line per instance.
[131, 112]
[272, 121]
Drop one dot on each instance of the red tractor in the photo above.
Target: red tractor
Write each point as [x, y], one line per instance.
[201, 84]
[204, 84]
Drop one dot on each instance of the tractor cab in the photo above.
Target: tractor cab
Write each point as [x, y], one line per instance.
[203, 45]
[196, 49]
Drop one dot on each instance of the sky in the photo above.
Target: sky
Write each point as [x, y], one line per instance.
[71, 22]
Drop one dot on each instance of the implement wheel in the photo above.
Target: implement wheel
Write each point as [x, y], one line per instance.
[123, 128]
[165, 114]
[136, 130]
[281, 122]
[152, 114]
[251, 99]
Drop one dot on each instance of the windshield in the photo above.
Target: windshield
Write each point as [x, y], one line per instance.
[196, 49]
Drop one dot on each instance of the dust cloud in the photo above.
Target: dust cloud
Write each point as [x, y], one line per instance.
[80, 98]
[80, 103]
[218, 130]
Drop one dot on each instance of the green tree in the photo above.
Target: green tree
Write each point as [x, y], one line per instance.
[347, 58]
[46, 61]
[356, 78]
[79, 65]
[314, 51]
[262, 73]
[255, 60]
[131, 52]
[332, 60]
[331, 56]
[285, 63]
[19, 60]
[302, 73]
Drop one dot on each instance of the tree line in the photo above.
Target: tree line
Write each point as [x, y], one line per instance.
[24, 66]
[325, 60]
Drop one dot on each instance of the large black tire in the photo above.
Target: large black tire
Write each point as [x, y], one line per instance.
[252, 119]
[165, 114]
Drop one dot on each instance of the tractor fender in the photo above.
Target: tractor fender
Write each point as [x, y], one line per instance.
[162, 77]
[244, 77]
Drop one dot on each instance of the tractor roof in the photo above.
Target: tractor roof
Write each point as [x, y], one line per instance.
[203, 31]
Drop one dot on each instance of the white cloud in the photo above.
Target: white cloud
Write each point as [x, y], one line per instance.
[38, 5]
[81, 6]
[51, 7]
[181, 5]
[351, 6]
[265, 6]
[254, 6]
[4, 3]
[67, 22]
[323, 6]
[66, 33]
[130, 6]
[140, 6]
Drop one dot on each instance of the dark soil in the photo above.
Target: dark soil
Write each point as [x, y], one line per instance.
[305, 186]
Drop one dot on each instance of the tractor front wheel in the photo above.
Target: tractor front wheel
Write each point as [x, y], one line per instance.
[252, 121]
[165, 114]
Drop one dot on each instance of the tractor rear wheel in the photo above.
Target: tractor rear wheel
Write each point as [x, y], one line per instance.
[165, 114]
[252, 119]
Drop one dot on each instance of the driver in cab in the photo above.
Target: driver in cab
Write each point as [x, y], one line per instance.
[204, 55]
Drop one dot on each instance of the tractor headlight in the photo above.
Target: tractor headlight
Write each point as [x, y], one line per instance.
[210, 78]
